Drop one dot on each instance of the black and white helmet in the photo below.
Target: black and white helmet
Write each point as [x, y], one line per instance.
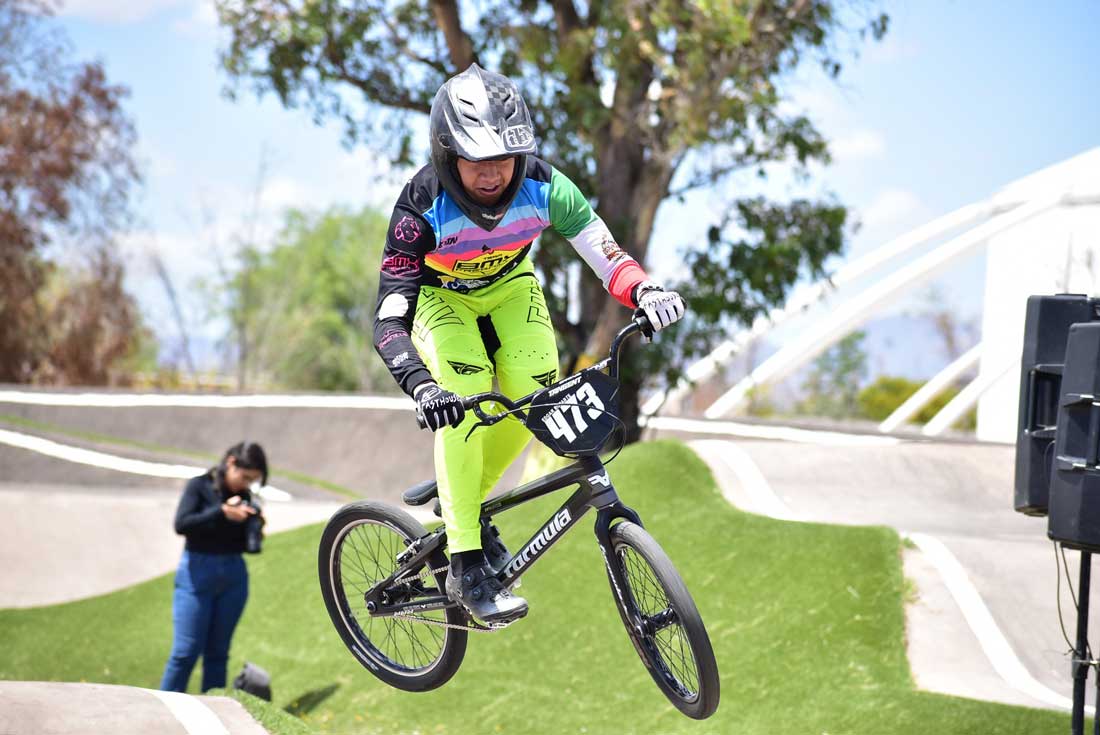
[479, 115]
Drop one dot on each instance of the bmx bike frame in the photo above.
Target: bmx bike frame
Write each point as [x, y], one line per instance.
[595, 491]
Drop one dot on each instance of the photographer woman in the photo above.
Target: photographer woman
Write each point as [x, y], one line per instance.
[215, 514]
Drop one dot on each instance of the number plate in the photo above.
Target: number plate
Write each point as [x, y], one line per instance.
[576, 416]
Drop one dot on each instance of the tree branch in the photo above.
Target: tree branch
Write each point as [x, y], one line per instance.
[568, 20]
[403, 45]
[458, 42]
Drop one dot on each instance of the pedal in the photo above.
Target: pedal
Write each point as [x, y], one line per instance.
[498, 625]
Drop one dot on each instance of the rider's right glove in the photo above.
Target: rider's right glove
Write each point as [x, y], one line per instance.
[661, 307]
[437, 407]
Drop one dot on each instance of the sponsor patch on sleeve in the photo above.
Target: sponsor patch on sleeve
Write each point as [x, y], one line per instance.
[394, 305]
[407, 229]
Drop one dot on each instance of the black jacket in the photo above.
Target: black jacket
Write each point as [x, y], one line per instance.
[199, 517]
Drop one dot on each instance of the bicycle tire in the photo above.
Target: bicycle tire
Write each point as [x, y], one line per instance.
[662, 621]
[403, 653]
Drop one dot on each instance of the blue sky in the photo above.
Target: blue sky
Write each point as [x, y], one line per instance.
[958, 100]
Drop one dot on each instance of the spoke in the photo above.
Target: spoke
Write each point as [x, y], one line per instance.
[681, 662]
[352, 563]
[368, 554]
[668, 644]
[371, 567]
[419, 644]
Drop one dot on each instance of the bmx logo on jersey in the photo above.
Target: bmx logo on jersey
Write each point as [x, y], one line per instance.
[548, 533]
[518, 138]
[401, 266]
[485, 264]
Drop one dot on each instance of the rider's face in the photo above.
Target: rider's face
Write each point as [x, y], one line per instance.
[485, 181]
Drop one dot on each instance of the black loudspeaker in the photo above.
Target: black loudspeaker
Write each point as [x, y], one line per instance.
[1075, 483]
[1046, 330]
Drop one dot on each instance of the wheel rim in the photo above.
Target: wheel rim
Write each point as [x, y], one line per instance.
[658, 628]
[363, 555]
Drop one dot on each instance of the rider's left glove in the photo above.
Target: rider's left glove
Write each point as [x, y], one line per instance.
[661, 307]
[437, 407]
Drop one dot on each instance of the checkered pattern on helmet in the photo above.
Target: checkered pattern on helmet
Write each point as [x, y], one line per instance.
[498, 91]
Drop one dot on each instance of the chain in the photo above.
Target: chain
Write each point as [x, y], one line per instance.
[422, 575]
[469, 626]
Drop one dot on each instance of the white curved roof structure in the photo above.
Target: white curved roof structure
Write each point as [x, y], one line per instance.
[1041, 235]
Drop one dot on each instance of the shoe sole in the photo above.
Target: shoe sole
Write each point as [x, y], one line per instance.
[500, 622]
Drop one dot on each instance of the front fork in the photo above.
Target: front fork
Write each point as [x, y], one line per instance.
[633, 622]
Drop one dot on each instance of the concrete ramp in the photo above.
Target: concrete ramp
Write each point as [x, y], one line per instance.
[51, 708]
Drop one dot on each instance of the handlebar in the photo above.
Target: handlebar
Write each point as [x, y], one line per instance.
[638, 323]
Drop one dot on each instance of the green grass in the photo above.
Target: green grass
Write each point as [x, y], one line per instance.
[806, 620]
[273, 719]
[205, 457]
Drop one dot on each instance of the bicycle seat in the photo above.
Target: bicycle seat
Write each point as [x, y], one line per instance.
[420, 493]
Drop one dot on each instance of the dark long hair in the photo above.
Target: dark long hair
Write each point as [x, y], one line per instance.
[247, 456]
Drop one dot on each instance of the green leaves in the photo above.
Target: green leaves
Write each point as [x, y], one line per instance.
[307, 304]
[745, 269]
[779, 244]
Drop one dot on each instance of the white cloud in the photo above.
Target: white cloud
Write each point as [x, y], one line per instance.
[117, 11]
[891, 208]
[858, 145]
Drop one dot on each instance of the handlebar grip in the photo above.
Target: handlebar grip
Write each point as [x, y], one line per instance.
[420, 422]
[643, 323]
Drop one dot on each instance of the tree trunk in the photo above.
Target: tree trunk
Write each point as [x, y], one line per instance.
[631, 203]
[458, 43]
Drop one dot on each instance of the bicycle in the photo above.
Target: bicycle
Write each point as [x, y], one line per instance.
[379, 566]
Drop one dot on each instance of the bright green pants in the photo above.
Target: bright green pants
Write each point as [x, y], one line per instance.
[454, 333]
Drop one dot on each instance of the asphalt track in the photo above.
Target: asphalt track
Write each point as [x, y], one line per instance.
[952, 495]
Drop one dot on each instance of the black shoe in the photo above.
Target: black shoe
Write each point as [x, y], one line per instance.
[495, 551]
[482, 595]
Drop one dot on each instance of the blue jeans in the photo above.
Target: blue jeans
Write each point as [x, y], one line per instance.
[211, 590]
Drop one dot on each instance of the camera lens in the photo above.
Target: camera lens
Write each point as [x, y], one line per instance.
[253, 531]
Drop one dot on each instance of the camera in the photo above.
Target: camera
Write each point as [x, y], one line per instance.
[253, 525]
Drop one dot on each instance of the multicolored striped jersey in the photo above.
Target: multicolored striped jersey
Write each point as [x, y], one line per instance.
[430, 242]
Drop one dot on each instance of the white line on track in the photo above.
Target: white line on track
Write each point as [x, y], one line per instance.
[97, 459]
[196, 717]
[128, 400]
[993, 642]
[119, 464]
[757, 431]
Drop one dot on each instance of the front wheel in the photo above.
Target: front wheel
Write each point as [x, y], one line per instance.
[359, 548]
[663, 623]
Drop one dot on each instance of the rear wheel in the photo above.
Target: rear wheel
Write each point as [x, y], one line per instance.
[663, 623]
[358, 549]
